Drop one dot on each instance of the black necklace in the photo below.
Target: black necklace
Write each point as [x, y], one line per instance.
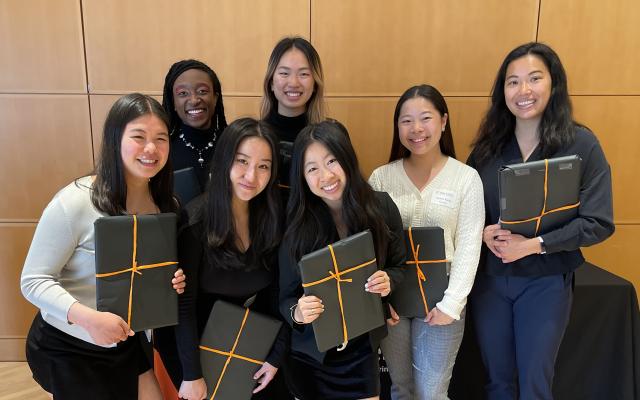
[197, 150]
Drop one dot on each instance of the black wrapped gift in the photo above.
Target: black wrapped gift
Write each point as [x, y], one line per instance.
[539, 196]
[136, 258]
[337, 274]
[185, 185]
[425, 278]
[233, 346]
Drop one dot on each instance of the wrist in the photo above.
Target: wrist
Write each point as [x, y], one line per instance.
[540, 245]
[294, 310]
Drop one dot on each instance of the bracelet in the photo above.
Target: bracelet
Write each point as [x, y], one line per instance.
[293, 318]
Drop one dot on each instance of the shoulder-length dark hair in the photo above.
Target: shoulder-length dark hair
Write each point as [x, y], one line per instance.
[308, 216]
[264, 209]
[556, 127]
[433, 96]
[315, 105]
[109, 194]
[218, 121]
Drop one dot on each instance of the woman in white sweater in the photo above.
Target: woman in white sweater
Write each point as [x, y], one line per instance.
[73, 350]
[431, 188]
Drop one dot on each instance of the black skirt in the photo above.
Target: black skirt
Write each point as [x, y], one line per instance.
[349, 374]
[70, 368]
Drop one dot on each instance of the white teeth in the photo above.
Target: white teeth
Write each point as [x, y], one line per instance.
[195, 112]
[418, 140]
[524, 103]
[145, 161]
[330, 187]
[293, 94]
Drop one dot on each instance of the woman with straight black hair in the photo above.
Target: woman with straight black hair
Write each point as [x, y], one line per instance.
[192, 96]
[228, 246]
[73, 350]
[431, 188]
[329, 201]
[522, 296]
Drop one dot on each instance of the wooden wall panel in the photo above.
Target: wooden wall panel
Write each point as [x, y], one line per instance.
[373, 47]
[45, 143]
[41, 47]
[132, 44]
[614, 119]
[599, 43]
[370, 125]
[234, 108]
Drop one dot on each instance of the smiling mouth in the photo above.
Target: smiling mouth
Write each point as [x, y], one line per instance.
[293, 94]
[196, 112]
[418, 140]
[330, 188]
[147, 163]
[524, 103]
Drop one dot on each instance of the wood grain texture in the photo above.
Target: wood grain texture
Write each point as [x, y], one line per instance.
[16, 383]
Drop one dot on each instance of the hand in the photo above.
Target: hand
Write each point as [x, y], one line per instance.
[104, 327]
[264, 375]
[309, 309]
[437, 317]
[379, 283]
[395, 318]
[491, 235]
[193, 390]
[179, 281]
[517, 246]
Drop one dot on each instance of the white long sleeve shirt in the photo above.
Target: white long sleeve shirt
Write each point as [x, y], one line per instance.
[454, 201]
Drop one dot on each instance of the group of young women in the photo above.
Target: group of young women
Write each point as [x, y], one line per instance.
[283, 186]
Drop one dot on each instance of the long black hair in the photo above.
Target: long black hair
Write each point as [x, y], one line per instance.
[265, 225]
[308, 216]
[109, 194]
[219, 121]
[433, 96]
[556, 127]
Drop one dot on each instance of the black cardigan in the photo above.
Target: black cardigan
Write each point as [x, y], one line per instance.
[593, 224]
[302, 337]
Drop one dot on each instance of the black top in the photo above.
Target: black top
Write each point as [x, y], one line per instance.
[302, 337]
[208, 283]
[593, 224]
[287, 129]
[183, 156]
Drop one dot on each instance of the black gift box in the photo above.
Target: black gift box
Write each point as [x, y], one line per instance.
[143, 297]
[343, 283]
[234, 345]
[185, 185]
[425, 276]
[539, 196]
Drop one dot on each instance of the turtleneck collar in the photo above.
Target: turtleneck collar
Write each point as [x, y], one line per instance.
[199, 137]
[287, 128]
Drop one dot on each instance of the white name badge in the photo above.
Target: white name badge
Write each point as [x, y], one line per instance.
[444, 197]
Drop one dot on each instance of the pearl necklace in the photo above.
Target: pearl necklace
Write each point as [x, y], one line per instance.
[194, 148]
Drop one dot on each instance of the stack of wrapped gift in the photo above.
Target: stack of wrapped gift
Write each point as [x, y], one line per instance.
[539, 196]
[337, 274]
[136, 258]
[233, 346]
[425, 278]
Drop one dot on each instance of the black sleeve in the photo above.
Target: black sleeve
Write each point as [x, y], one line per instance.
[187, 340]
[290, 284]
[595, 212]
[396, 249]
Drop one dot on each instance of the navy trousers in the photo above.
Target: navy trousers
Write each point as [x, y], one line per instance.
[519, 324]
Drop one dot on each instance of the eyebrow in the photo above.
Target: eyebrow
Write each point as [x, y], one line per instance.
[409, 115]
[248, 156]
[530, 73]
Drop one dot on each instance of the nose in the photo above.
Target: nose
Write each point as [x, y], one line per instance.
[293, 80]
[417, 125]
[150, 147]
[525, 87]
[250, 174]
[327, 174]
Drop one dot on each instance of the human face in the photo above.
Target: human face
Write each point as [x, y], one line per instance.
[292, 83]
[527, 88]
[324, 175]
[194, 98]
[420, 126]
[251, 169]
[144, 148]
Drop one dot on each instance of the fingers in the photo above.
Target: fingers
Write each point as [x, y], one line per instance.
[379, 283]
[394, 314]
[264, 375]
[392, 322]
[310, 308]
[179, 281]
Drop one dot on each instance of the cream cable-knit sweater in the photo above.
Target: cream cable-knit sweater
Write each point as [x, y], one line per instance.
[454, 201]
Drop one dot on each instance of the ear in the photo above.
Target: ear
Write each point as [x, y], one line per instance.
[445, 119]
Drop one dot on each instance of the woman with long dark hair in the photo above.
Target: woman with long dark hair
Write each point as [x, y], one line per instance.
[228, 246]
[73, 350]
[431, 188]
[192, 96]
[330, 200]
[522, 296]
[293, 93]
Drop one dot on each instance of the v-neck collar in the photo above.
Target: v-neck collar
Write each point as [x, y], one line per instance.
[409, 182]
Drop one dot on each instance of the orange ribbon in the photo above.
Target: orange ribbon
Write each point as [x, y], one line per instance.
[421, 277]
[231, 354]
[544, 211]
[337, 275]
[135, 268]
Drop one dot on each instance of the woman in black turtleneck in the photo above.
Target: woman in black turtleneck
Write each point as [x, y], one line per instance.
[293, 94]
[192, 97]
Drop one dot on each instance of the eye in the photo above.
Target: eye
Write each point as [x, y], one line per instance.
[241, 161]
[265, 167]
[305, 74]
[203, 91]
[405, 121]
[182, 93]
[535, 78]
[311, 169]
[426, 118]
[283, 74]
[512, 83]
[331, 161]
